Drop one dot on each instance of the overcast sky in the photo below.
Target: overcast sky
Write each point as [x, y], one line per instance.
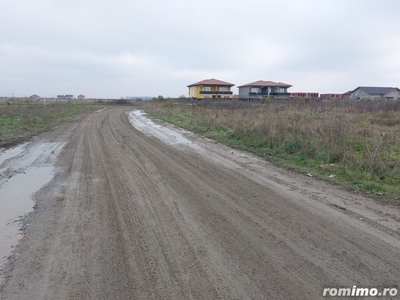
[113, 49]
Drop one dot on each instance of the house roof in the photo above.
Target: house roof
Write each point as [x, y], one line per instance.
[265, 83]
[376, 90]
[212, 81]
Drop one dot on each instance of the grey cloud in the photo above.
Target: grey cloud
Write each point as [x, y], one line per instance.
[111, 49]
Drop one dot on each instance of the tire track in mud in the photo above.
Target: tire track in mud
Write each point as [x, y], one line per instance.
[130, 217]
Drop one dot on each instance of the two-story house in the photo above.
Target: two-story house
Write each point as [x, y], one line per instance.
[211, 88]
[258, 89]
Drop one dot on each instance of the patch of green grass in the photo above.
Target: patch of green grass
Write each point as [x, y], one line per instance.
[23, 121]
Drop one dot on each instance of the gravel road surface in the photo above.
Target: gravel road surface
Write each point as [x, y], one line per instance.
[131, 215]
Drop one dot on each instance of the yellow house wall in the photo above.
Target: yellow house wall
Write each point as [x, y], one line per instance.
[194, 91]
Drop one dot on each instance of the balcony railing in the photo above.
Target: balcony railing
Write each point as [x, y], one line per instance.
[215, 93]
[280, 94]
[270, 94]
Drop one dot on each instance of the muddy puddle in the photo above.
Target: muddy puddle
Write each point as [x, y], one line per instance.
[16, 201]
[9, 153]
[139, 120]
[24, 170]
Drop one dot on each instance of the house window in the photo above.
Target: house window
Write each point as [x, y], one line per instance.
[206, 89]
[223, 89]
[255, 90]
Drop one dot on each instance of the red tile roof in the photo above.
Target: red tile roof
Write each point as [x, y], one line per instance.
[212, 81]
[266, 83]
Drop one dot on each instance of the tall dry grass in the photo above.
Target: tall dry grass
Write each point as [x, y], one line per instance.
[362, 139]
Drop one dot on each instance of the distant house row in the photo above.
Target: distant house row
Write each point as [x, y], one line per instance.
[367, 92]
[216, 89]
[80, 97]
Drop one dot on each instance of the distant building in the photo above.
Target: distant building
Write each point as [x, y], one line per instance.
[374, 93]
[258, 89]
[60, 96]
[81, 97]
[346, 96]
[69, 96]
[331, 96]
[34, 97]
[304, 95]
[211, 88]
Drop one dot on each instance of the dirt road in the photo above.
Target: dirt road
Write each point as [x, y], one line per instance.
[131, 216]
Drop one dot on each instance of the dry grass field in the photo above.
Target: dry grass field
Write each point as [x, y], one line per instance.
[353, 144]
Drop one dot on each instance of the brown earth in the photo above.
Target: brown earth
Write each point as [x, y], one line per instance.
[130, 217]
